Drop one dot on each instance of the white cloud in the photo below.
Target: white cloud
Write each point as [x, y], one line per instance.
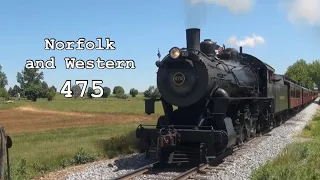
[235, 6]
[306, 11]
[252, 41]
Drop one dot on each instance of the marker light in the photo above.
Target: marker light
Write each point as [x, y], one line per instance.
[174, 52]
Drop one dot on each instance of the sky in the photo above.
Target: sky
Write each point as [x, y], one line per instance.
[278, 32]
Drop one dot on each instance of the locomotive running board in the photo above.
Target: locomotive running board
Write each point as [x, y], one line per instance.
[241, 98]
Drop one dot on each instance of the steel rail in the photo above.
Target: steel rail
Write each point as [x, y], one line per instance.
[137, 172]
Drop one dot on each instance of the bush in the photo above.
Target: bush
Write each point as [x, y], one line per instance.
[50, 94]
[90, 91]
[133, 92]
[106, 92]
[21, 171]
[50, 98]
[4, 93]
[81, 157]
[121, 96]
[118, 90]
[33, 92]
[152, 93]
[121, 145]
[76, 91]
[41, 168]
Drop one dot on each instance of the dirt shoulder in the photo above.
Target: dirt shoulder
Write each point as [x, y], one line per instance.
[30, 119]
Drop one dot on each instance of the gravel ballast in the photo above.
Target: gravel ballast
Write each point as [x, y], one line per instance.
[244, 161]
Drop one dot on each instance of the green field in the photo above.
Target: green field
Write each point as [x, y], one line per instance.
[54, 150]
[37, 153]
[98, 105]
[298, 161]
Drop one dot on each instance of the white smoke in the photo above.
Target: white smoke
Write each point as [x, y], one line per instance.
[305, 11]
[196, 10]
[234, 6]
[252, 41]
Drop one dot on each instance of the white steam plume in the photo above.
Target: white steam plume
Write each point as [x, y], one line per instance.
[252, 41]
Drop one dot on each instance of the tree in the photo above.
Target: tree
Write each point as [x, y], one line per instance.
[300, 72]
[118, 90]
[30, 81]
[4, 94]
[10, 92]
[33, 92]
[133, 92]
[50, 94]
[3, 78]
[90, 91]
[44, 90]
[16, 89]
[152, 93]
[106, 92]
[53, 88]
[27, 77]
[314, 68]
[76, 91]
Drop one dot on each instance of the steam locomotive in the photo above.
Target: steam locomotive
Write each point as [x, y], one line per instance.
[213, 102]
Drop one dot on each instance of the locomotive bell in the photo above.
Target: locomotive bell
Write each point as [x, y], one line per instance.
[208, 47]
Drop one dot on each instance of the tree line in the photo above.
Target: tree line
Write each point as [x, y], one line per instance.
[32, 86]
[306, 74]
[118, 91]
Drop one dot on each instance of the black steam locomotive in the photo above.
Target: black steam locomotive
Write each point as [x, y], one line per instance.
[212, 102]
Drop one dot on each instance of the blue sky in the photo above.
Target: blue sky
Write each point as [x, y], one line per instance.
[284, 32]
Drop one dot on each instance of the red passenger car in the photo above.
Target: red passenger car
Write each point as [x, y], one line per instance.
[294, 93]
[304, 95]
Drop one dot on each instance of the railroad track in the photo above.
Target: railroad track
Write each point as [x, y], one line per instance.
[182, 176]
[200, 169]
[205, 168]
[138, 172]
[191, 172]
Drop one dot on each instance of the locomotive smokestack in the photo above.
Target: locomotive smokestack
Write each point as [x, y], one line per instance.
[193, 38]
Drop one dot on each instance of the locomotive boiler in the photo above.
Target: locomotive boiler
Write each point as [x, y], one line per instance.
[188, 75]
[207, 100]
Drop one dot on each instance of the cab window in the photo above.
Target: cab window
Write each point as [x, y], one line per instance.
[270, 76]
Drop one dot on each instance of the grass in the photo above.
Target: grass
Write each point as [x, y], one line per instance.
[109, 105]
[45, 141]
[12, 105]
[298, 161]
[34, 154]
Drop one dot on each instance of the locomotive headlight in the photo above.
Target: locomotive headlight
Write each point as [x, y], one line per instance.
[174, 52]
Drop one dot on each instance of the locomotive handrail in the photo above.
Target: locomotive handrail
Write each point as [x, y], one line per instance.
[200, 52]
[149, 99]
